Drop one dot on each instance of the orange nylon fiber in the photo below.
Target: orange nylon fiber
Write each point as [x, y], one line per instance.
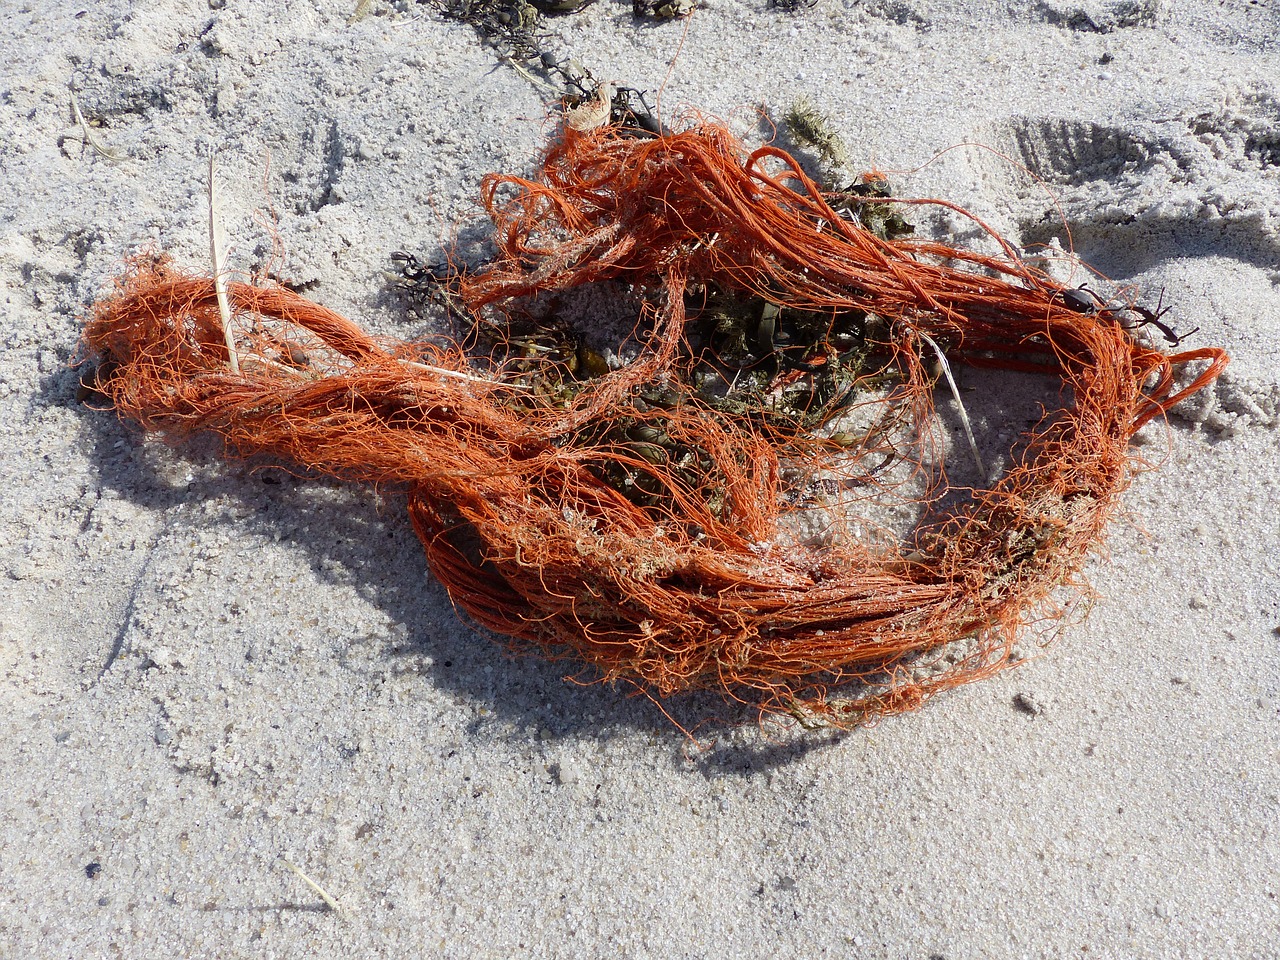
[509, 489]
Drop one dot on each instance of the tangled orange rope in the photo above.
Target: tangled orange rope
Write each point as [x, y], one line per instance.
[510, 489]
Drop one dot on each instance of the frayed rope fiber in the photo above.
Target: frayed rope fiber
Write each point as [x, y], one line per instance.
[670, 564]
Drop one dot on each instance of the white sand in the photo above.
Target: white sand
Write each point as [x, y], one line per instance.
[284, 679]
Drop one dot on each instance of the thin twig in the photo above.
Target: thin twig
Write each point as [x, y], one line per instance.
[220, 281]
[955, 392]
[536, 81]
[459, 375]
[358, 14]
[324, 894]
[87, 136]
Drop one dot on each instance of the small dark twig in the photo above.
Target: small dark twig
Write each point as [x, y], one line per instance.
[1153, 317]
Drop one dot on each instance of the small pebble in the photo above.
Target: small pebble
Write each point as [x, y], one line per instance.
[1028, 704]
[565, 772]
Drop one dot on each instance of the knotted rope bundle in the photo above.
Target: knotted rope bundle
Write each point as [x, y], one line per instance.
[526, 499]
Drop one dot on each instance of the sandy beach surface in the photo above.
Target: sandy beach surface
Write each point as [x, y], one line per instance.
[207, 669]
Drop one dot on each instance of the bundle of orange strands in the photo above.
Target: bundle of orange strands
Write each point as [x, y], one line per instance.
[510, 490]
